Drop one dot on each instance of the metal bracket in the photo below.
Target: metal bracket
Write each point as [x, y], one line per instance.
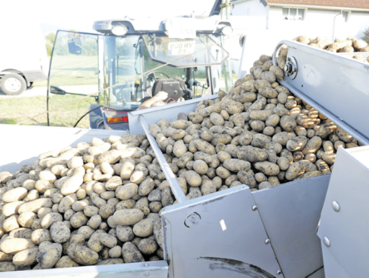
[291, 68]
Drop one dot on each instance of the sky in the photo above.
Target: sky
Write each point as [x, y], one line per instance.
[79, 15]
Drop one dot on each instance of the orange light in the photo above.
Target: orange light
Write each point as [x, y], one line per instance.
[115, 120]
[137, 82]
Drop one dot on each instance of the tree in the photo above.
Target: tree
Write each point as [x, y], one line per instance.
[366, 35]
[50, 38]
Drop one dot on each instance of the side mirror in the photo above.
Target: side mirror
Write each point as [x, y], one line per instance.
[56, 90]
[75, 46]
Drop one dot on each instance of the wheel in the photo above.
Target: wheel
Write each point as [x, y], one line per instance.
[30, 85]
[13, 84]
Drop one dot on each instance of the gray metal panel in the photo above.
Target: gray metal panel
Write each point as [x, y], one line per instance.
[318, 274]
[290, 213]
[347, 228]
[169, 112]
[332, 268]
[340, 85]
[21, 145]
[199, 245]
[157, 269]
[171, 178]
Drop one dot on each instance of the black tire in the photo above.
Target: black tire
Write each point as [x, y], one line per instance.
[13, 84]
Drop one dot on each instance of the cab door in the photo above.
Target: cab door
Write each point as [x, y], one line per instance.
[73, 81]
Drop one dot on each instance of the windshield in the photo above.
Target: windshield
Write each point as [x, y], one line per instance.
[74, 64]
[122, 71]
[204, 50]
[126, 59]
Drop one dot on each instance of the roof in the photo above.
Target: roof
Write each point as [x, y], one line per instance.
[354, 4]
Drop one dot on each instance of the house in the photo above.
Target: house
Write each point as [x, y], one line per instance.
[330, 18]
[266, 22]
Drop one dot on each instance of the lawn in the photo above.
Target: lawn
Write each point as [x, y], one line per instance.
[64, 110]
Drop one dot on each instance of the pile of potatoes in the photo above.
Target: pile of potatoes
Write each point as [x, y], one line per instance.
[259, 134]
[92, 204]
[350, 45]
[100, 202]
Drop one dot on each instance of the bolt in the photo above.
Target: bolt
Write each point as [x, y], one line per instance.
[267, 241]
[279, 271]
[327, 242]
[255, 207]
[336, 206]
[146, 264]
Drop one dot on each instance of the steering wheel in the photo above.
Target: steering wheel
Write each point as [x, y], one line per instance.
[120, 90]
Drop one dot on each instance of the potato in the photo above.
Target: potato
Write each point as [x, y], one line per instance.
[124, 233]
[67, 202]
[59, 232]
[131, 254]
[26, 219]
[50, 218]
[283, 163]
[144, 228]
[246, 178]
[11, 223]
[5, 257]
[72, 185]
[193, 178]
[208, 187]
[127, 191]
[295, 170]
[106, 211]
[94, 222]
[21, 233]
[200, 167]
[26, 257]
[15, 194]
[128, 216]
[111, 261]
[264, 185]
[287, 123]
[15, 245]
[64, 262]
[82, 254]
[147, 246]
[11, 208]
[252, 154]
[40, 235]
[267, 168]
[297, 143]
[236, 165]
[6, 266]
[312, 145]
[259, 140]
[108, 240]
[86, 231]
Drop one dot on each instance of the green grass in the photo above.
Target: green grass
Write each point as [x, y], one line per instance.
[64, 110]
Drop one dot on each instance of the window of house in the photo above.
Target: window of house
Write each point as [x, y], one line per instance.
[293, 14]
[345, 16]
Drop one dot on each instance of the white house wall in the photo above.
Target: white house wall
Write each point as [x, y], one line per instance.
[250, 8]
[319, 23]
[264, 28]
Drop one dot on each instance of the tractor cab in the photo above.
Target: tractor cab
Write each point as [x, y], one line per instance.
[130, 61]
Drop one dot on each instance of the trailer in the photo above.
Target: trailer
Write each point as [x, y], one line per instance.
[271, 232]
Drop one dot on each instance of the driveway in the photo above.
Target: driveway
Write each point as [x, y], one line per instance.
[31, 92]
[42, 91]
